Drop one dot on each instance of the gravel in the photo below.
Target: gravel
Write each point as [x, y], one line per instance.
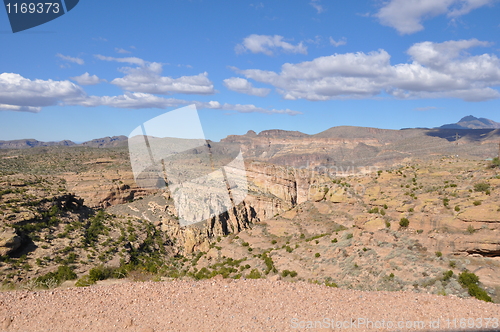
[235, 305]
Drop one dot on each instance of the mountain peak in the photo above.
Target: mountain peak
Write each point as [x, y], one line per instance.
[468, 118]
[471, 122]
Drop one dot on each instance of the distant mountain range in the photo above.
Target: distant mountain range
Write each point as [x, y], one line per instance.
[105, 142]
[471, 122]
[466, 123]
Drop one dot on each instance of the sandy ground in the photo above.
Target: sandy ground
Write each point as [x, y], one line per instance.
[237, 305]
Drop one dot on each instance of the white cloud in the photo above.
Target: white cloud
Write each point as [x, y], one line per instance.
[131, 60]
[406, 15]
[22, 94]
[129, 100]
[29, 109]
[319, 8]
[147, 79]
[243, 86]
[268, 44]
[437, 70]
[70, 59]
[146, 100]
[86, 79]
[249, 108]
[339, 42]
[121, 50]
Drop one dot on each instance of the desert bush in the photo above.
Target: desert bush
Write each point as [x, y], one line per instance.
[481, 187]
[476, 203]
[52, 279]
[439, 254]
[317, 255]
[470, 229]
[457, 208]
[254, 274]
[470, 281]
[404, 222]
[447, 275]
[495, 162]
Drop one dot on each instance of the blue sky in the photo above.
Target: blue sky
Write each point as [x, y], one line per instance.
[108, 66]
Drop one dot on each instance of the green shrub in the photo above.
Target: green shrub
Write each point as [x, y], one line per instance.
[439, 254]
[476, 203]
[254, 274]
[334, 240]
[457, 208]
[317, 255]
[293, 274]
[447, 275]
[470, 281]
[404, 222]
[62, 274]
[349, 236]
[470, 229]
[481, 187]
[495, 162]
[100, 273]
[468, 278]
[479, 293]
[84, 281]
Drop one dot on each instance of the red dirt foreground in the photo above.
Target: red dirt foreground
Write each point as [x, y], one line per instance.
[238, 305]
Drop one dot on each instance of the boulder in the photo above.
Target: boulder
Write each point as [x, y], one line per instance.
[9, 241]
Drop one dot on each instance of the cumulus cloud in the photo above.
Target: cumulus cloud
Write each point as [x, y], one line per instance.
[21, 94]
[268, 45]
[130, 60]
[437, 70]
[338, 43]
[70, 59]
[86, 79]
[242, 85]
[147, 79]
[406, 16]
